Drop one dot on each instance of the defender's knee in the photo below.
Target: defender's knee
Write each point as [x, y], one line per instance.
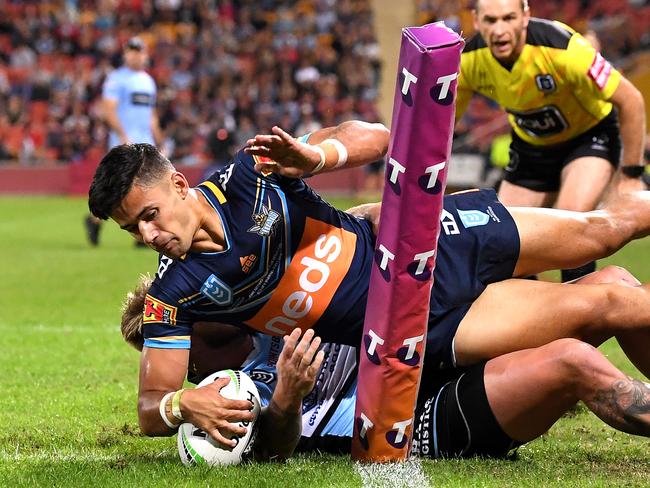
[617, 274]
[575, 361]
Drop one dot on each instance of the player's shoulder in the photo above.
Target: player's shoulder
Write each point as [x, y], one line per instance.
[474, 43]
[548, 33]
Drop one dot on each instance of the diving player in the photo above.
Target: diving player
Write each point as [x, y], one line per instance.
[254, 246]
[564, 104]
[563, 372]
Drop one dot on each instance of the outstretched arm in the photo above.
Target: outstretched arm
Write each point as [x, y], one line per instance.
[281, 422]
[349, 144]
[631, 109]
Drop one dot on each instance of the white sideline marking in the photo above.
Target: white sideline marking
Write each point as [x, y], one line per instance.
[392, 475]
[62, 328]
[88, 457]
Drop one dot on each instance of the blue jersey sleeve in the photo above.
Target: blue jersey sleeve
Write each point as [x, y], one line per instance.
[165, 325]
[111, 88]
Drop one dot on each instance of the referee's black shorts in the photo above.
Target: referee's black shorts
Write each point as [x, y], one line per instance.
[539, 168]
[457, 421]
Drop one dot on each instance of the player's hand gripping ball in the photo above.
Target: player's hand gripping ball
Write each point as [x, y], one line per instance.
[196, 447]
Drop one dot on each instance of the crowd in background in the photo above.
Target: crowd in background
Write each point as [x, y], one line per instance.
[224, 69]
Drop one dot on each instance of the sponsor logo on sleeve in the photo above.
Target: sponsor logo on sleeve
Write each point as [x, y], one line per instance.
[599, 71]
[157, 311]
[305, 291]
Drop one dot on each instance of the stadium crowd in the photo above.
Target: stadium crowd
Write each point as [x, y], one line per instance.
[227, 69]
[224, 70]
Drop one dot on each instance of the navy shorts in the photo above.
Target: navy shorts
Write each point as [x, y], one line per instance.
[478, 245]
[538, 168]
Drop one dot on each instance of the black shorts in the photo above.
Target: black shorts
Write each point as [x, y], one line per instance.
[454, 419]
[538, 168]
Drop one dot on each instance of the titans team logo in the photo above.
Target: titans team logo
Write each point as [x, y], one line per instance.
[265, 222]
[217, 291]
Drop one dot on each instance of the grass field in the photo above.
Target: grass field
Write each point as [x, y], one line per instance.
[69, 383]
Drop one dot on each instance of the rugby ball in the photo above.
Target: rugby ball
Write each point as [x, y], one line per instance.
[197, 447]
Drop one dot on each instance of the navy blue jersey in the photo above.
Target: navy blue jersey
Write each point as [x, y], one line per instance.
[292, 260]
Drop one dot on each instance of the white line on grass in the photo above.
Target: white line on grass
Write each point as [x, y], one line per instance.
[392, 475]
[61, 328]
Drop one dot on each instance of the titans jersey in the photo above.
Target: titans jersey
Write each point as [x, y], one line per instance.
[135, 92]
[328, 410]
[290, 260]
[556, 90]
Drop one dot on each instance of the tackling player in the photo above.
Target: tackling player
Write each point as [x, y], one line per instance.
[264, 251]
[564, 103]
[563, 373]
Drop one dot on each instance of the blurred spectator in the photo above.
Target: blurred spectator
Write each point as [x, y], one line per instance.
[219, 65]
[128, 103]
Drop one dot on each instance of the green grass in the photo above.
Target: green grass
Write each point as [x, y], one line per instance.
[69, 384]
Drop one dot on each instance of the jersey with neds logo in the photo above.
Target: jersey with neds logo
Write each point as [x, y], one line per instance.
[290, 260]
[557, 89]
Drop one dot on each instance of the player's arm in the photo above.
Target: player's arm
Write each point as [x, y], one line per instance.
[369, 211]
[631, 111]
[109, 110]
[280, 423]
[156, 130]
[350, 144]
[163, 405]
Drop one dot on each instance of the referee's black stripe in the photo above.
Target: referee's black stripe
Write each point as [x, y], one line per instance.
[547, 33]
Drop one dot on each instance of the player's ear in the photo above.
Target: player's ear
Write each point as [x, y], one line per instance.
[526, 14]
[180, 184]
[475, 17]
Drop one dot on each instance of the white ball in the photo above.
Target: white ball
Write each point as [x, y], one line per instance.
[196, 447]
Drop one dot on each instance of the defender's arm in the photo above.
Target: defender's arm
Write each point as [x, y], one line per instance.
[281, 422]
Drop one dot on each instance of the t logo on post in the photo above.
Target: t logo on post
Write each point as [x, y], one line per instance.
[395, 325]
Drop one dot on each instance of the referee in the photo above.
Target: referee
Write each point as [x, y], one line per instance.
[573, 116]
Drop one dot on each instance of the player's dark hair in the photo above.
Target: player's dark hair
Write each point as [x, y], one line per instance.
[121, 168]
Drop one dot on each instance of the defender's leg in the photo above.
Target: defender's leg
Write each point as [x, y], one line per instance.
[529, 390]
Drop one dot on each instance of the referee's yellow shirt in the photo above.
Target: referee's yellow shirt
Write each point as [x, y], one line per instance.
[556, 90]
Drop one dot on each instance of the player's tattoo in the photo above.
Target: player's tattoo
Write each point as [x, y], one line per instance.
[625, 405]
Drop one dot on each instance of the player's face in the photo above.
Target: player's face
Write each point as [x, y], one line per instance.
[502, 24]
[159, 216]
[136, 59]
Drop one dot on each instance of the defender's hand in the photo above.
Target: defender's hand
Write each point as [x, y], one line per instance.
[216, 415]
[291, 157]
[298, 367]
